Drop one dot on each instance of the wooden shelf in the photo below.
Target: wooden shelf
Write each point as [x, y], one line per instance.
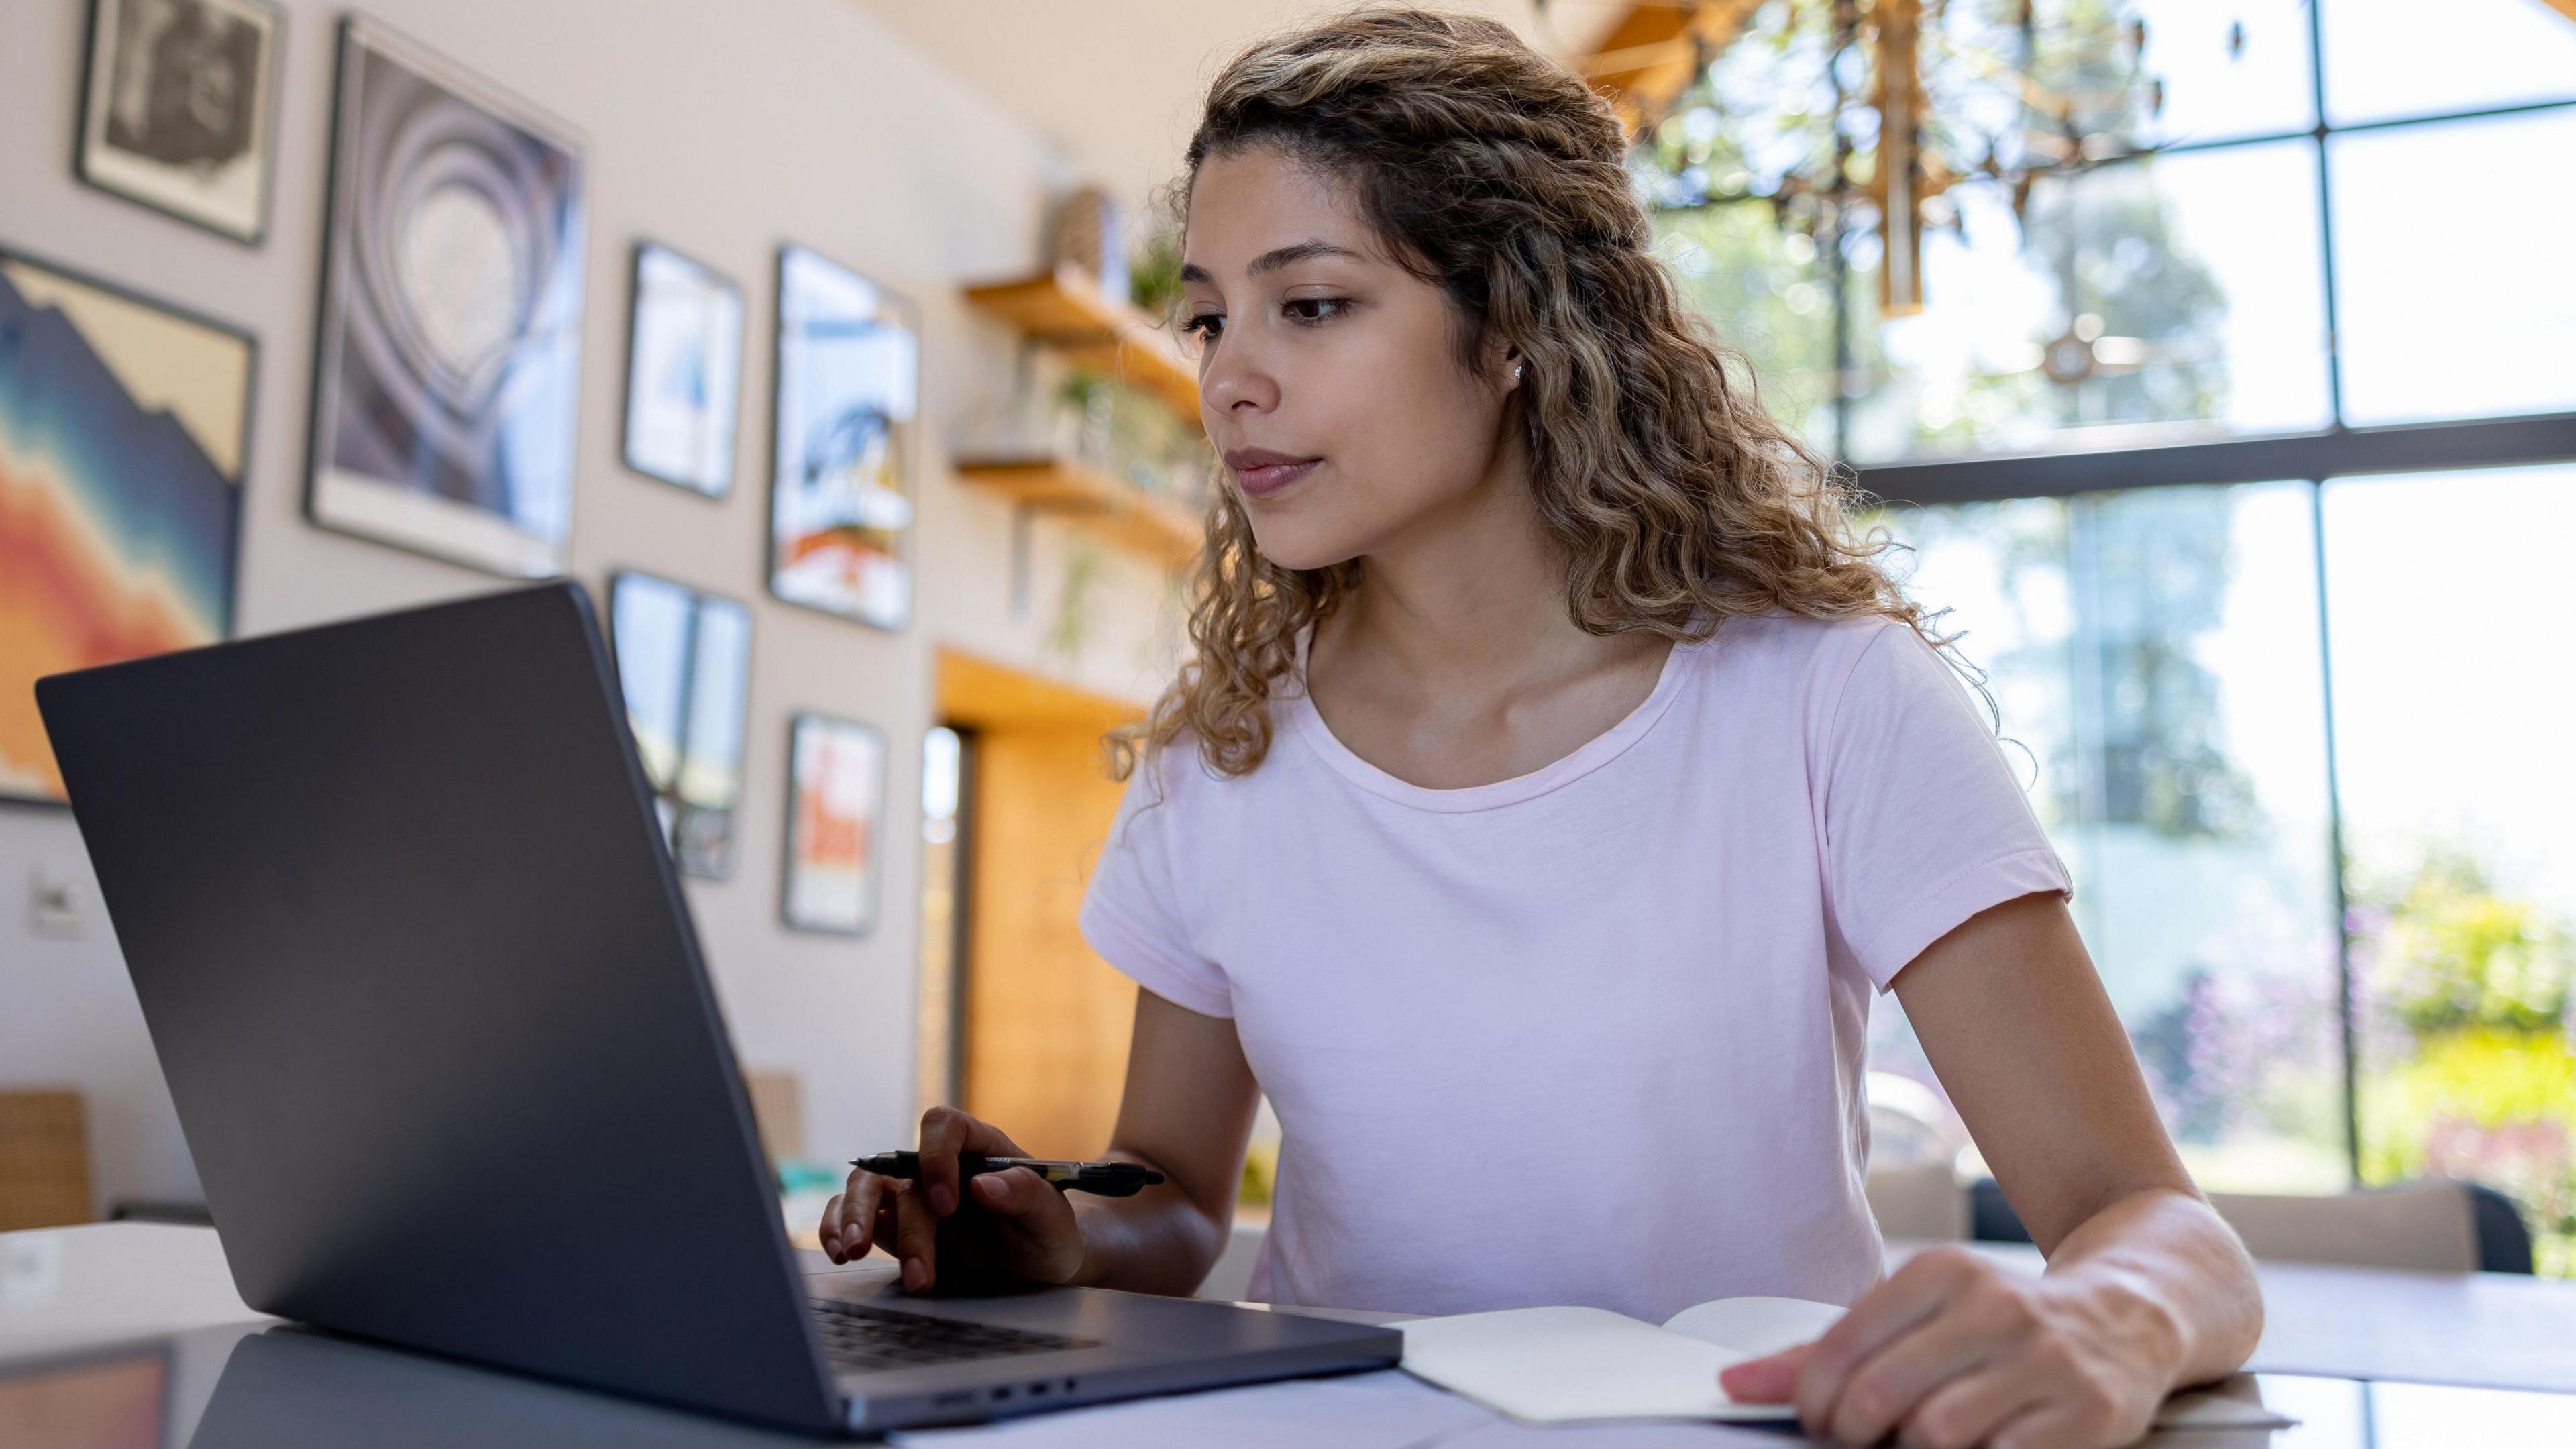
[1066, 310]
[1117, 511]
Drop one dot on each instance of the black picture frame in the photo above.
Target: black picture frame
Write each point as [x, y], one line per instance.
[797, 894]
[116, 164]
[402, 446]
[702, 835]
[640, 266]
[144, 428]
[901, 431]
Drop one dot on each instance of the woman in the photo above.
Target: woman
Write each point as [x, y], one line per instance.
[1554, 780]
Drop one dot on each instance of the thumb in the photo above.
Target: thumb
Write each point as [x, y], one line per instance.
[1012, 1194]
[1772, 1380]
[1039, 1235]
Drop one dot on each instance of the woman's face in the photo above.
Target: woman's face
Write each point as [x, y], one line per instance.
[1329, 376]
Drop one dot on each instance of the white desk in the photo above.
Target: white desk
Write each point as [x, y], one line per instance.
[2493, 1330]
[162, 1295]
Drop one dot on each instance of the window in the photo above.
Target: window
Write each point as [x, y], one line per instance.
[2223, 439]
[2453, 697]
[2156, 667]
[2446, 313]
[2165, 299]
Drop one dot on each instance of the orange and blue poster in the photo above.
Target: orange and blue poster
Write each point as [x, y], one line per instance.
[122, 429]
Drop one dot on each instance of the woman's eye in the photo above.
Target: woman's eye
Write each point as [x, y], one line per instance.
[1205, 326]
[1311, 310]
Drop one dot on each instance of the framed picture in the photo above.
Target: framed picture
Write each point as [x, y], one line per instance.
[683, 372]
[840, 511]
[684, 665]
[835, 799]
[449, 353]
[123, 428]
[179, 108]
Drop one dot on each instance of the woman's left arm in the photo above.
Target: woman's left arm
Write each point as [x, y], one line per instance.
[2146, 1289]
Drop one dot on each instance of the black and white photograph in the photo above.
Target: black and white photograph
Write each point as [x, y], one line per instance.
[178, 108]
[451, 315]
[683, 371]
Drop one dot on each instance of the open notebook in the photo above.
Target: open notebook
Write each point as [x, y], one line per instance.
[1564, 1365]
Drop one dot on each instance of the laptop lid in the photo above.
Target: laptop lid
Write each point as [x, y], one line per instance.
[419, 973]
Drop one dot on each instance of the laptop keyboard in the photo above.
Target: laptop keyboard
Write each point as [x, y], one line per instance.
[859, 1337]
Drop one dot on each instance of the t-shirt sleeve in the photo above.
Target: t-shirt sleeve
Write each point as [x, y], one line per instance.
[1131, 913]
[1924, 823]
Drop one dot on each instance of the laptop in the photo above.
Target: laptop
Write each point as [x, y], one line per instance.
[416, 964]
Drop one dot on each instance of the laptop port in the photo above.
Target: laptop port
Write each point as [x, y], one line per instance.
[1001, 1393]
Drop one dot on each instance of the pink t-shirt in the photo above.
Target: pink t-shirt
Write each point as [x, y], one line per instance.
[1593, 1034]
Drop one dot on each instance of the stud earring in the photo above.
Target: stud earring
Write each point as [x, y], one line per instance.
[1519, 371]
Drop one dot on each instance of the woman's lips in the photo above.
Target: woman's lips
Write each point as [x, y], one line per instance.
[1265, 479]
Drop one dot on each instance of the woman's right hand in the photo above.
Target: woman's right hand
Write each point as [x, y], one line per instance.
[999, 1226]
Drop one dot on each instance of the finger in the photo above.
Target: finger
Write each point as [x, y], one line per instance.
[1891, 1383]
[1040, 1237]
[828, 1231]
[1967, 1410]
[859, 1214]
[883, 1229]
[847, 1221]
[1912, 1294]
[916, 1236]
[1018, 1193]
[2047, 1426]
[1764, 1380]
[946, 1132]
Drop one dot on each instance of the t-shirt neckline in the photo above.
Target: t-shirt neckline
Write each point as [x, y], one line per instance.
[1308, 724]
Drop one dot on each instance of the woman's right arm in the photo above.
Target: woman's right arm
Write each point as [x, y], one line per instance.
[1187, 1114]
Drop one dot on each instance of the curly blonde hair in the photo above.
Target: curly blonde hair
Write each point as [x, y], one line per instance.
[1496, 175]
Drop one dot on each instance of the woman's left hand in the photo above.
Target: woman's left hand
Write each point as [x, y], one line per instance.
[1953, 1351]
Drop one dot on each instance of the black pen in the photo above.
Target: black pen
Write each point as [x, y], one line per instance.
[1106, 1179]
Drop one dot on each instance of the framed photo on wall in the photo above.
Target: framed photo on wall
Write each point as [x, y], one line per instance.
[179, 108]
[684, 666]
[835, 804]
[683, 371]
[124, 424]
[849, 377]
[449, 358]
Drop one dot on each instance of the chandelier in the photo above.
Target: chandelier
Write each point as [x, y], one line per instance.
[1856, 118]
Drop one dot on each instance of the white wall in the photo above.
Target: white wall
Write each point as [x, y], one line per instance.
[722, 129]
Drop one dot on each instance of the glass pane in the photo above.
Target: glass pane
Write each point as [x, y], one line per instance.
[2388, 58]
[2154, 301]
[2451, 739]
[2155, 661]
[2224, 70]
[2453, 309]
[1763, 289]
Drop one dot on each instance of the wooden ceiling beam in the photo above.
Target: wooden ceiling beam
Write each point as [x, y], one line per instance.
[1650, 56]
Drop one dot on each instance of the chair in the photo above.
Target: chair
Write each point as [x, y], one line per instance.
[44, 1160]
[2438, 1225]
[1922, 1201]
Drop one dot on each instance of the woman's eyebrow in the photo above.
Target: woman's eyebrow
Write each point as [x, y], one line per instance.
[1275, 258]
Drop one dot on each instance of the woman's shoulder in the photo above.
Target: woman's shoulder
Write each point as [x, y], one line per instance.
[1800, 646]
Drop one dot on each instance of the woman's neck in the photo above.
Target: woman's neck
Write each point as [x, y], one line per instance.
[1468, 600]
